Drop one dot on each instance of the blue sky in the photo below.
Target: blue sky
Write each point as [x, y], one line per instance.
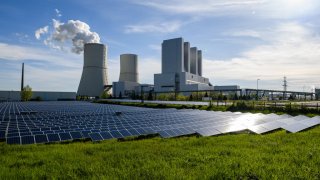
[242, 40]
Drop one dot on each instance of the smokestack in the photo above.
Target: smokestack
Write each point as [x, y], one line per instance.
[22, 77]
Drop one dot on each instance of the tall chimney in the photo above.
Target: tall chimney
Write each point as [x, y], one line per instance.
[22, 77]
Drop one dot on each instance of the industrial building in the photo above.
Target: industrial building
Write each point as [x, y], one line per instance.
[317, 93]
[94, 79]
[38, 95]
[181, 71]
[181, 68]
[129, 77]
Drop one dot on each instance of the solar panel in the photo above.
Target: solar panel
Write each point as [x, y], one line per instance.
[116, 134]
[2, 134]
[134, 132]
[76, 135]
[106, 135]
[208, 132]
[41, 139]
[293, 128]
[95, 137]
[125, 133]
[311, 122]
[65, 136]
[258, 129]
[85, 134]
[164, 134]
[62, 121]
[13, 140]
[53, 137]
[27, 140]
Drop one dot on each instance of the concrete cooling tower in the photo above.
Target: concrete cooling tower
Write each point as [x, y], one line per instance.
[94, 75]
[129, 68]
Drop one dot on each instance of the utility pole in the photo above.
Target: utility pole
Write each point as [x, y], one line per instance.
[22, 77]
[258, 89]
[285, 85]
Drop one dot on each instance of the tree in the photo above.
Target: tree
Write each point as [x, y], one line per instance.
[190, 97]
[225, 98]
[105, 95]
[150, 97]
[235, 97]
[26, 93]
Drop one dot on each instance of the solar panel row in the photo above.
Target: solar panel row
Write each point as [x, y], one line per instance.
[65, 121]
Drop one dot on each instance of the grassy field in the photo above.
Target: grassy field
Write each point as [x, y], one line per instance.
[278, 155]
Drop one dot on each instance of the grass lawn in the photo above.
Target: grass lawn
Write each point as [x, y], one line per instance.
[278, 155]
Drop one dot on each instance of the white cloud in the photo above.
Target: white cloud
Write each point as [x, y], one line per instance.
[73, 32]
[19, 53]
[154, 27]
[41, 31]
[58, 12]
[262, 8]
[292, 50]
[244, 33]
[191, 7]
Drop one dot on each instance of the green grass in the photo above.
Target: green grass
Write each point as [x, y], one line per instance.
[278, 155]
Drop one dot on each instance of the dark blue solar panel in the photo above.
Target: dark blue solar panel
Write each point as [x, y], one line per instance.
[125, 133]
[106, 135]
[87, 118]
[27, 140]
[95, 137]
[134, 132]
[141, 131]
[2, 134]
[25, 134]
[76, 135]
[85, 134]
[13, 140]
[41, 139]
[116, 134]
[53, 137]
[37, 132]
[65, 136]
[164, 134]
[13, 135]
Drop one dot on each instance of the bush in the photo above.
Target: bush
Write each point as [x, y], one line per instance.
[26, 93]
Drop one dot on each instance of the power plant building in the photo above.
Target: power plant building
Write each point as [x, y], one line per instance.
[129, 76]
[181, 68]
[94, 75]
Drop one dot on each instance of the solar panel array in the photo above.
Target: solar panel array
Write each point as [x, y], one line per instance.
[45, 122]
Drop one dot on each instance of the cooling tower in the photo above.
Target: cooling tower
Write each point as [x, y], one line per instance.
[129, 68]
[94, 75]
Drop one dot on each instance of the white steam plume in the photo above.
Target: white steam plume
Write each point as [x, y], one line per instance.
[75, 32]
[40, 31]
